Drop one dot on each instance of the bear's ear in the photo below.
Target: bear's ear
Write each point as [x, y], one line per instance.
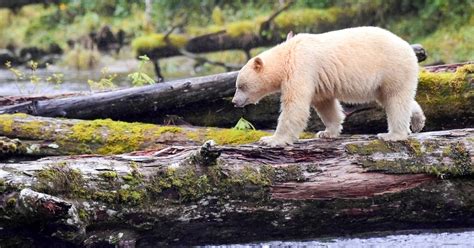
[289, 35]
[258, 64]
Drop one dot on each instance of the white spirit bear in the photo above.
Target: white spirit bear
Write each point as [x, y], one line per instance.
[354, 65]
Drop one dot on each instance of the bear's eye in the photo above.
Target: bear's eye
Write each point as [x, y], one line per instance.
[242, 87]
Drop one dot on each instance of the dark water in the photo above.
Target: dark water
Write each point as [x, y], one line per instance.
[415, 239]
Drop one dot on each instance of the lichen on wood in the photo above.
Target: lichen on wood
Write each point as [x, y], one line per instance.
[114, 137]
[148, 195]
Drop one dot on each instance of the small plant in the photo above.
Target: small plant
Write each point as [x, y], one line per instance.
[34, 79]
[105, 82]
[243, 124]
[140, 78]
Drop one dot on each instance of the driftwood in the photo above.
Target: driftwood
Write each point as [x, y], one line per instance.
[190, 195]
[125, 102]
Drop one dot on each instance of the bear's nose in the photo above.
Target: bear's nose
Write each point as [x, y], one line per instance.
[237, 103]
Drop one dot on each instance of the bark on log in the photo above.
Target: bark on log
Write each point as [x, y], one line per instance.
[240, 194]
[121, 103]
[42, 136]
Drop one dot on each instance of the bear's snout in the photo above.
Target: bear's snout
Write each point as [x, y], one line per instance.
[239, 101]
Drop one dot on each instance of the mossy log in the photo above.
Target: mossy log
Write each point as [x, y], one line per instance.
[260, 32]
[43, 136]
[190, 195]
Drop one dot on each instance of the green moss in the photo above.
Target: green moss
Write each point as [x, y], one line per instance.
[184, 182]
[144, 44]
[11, 202]
[369, 148]
[307, 20]
[194, 136]
[6, 123]
[462, 159]
[32, 129]
[83, 215]
[234, 137]
[133, 197]
[112, 137]
[109, 175]
[133, 178]
[104, 196]
[251, 175]
[457, 152]
[240, 28]
[307, 135]
[60, 179]
[447, 91]
[414, 147]
[289, 173]
[168, 129]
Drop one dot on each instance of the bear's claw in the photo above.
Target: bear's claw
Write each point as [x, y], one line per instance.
[273, 141]
[326, 135]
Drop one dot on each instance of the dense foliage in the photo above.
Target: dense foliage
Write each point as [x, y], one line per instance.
[444, 27]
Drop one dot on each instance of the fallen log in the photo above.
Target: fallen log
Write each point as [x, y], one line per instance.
[191, 195]
[118, 104]
[42, 136]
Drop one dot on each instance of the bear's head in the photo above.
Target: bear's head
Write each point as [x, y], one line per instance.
[255, 81]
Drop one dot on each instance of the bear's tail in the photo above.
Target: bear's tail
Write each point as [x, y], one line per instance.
[418, 118]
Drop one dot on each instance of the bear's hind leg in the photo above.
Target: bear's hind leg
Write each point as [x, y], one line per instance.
[331, 114]
[418, 118]
[399, 111]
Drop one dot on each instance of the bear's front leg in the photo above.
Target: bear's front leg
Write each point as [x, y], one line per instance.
[295, 111]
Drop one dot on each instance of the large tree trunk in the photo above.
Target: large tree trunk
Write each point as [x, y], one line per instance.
[186, 195]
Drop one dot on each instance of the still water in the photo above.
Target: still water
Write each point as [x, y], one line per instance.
[73, 80]
[415, 239]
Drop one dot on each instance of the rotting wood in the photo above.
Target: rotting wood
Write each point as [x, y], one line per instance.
[311, 189]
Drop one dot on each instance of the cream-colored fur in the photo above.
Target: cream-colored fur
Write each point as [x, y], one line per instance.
[355, 65]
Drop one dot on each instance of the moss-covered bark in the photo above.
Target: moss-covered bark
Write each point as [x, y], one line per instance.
[314, 188]
[112, 137]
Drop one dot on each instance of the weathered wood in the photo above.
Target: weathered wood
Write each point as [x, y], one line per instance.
[170, 196]
[42, 136]
[121, 103]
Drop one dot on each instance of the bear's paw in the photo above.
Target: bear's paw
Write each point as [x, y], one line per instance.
[274, 141]
[327, 135]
